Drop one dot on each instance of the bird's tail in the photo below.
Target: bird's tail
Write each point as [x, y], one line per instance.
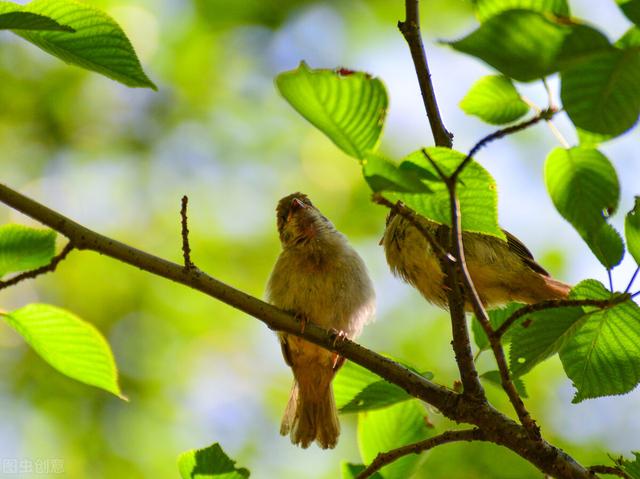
[311, 415]
[554, 289]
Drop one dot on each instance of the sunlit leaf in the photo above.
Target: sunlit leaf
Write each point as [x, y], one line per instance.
[383, 175]
[476, 191]
[23, 248]
[601, 95]
[389, 428]
[521, 44]
[351, 471]
[632, 230]
[349, 107]
[493, 377]
[209, 463]
[98, 44]
[69, 344]
[13, 18]
[486, 9]
[495, 100]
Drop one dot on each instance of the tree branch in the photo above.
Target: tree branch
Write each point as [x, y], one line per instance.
[384, 458]
[186, 249]
[614, 471]
[557, 303]
[48, 268]
[410, 29]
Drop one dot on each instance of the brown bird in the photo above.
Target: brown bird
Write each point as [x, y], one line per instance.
[320, 278]
[501, 271]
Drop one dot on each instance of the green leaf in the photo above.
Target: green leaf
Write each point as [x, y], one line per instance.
[581, 44]
[584, 187]
[395, 426]
[358, 389]
[11, 18]
[630, 39]
[351, 471]
[589, 139]
[493, 377]
[632, 468]
[603, 356]
[98, 44]
[519, 43]
[546, 333]
[477, 191]
[632, 230]
[631, 8]
[486, 9]
[383, 175]
[210, 462]
[601, 95]
[497, 316]
[349, 107]
[23, 248]
[495, 100]
[69, 344]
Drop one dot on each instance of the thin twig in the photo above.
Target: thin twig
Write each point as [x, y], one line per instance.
[410, 29]
[48, 268]
[614, 471]
[633, 278]
[384, 458]
[635, 294]
[610, 280]
[186, 249]
[557, 303]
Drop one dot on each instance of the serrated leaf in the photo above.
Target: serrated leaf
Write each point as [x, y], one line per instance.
[351, 471]
[601, 95]
[476, 191]
[12, 18]
[389, 428]
[632, 230]
[495, 100]
[209, 463]
[349, 107]
[23, 248]
[631, 8]
[497, 316]
[98, 44]
[493, 377]
[632, 468]
[69, 344]
[486, 9]
[383, 175]
[521, 44]
[358, 389]
[583, 186]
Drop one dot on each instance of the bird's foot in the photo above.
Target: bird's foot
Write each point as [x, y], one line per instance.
[337, 336]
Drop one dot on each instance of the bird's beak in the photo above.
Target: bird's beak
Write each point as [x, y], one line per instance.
[297, 204]
[381, 240]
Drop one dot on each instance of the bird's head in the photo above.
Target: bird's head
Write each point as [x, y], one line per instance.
[299, 221]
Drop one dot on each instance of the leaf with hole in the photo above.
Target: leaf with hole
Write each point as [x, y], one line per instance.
[347, 106]
[69, 344]
[97, 43]
[23, 248]
[209, 463]
[494, 100]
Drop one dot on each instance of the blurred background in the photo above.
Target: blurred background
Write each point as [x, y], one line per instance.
[196, 371]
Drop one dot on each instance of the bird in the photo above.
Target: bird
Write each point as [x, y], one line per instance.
[501, 271]
[318, 277]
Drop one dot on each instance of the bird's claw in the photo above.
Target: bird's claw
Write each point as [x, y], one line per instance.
[337, 336]
[303, 320]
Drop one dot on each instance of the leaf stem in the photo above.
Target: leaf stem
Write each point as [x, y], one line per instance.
[633, 278]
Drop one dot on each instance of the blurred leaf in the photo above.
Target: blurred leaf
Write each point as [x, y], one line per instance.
[69, 344]
[583, 185]
[581, 44]
[519, 43]
[632, 230]
[601, 95]
[383, 175]
[630, 39]
[602, 358]
[495, 100]
[493, 377]
[210, 462]
[631, 8]
[395, 426]
[632, 467]
[486, 9]
[23, 248]
[589, 139]
[349, 107]
[476, 191]
[497, 316]
[358, 389]
[351, 471]
[98, 44]
[13, 18]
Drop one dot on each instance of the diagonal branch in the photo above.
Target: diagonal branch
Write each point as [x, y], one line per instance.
[410, 29]
[612, 471]
[48, 268]
[384, 458]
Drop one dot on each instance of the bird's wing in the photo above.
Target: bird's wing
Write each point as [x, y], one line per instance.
[515, 245]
